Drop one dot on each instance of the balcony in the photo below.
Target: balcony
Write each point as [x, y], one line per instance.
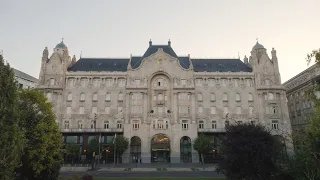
[218, 130]
[75, 130]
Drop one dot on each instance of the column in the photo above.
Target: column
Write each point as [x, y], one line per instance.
[126, 127]
[145, 107]
[175, 108]
[193, 107]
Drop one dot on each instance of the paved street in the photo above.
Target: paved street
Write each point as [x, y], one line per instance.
[148, 174]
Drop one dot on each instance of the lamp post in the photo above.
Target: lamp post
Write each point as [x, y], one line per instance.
[95, 127]
[114, 151]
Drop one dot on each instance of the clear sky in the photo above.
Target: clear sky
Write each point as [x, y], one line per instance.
[202, 28]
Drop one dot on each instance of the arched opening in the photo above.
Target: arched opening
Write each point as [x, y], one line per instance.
[160, 148]
[185, 150]
[135, 149]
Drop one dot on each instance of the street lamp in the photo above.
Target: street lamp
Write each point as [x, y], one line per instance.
[95, 127]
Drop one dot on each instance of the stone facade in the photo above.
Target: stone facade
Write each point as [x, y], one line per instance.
[300, 106]
[24, 80]
[162, 97]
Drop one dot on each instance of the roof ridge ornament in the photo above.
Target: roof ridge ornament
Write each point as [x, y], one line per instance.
[150, 43]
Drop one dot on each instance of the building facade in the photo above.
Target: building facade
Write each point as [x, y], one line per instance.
[161, 101]
[299, 105]
[24, 80]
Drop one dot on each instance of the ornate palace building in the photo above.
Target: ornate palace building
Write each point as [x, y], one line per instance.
[162, 101]
[300, 106]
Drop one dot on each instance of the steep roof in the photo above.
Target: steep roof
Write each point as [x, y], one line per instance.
[120, 64]
[23, 75]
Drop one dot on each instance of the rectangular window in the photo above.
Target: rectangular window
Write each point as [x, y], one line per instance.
[119, 125]
[224, 82]
[236, 82]
[183, 82]
[107, 110]
[52, 81]
[135, 125]
[238, 110]
[81, 110]
[108, 82]
[213, 110]
[200, 110]
[137, 81]
[69, 110]
[250, 110]
[225, 110]
[275, 124]
[214, 124]
[94, 110]
[108, 97]
[184, 124]
[201, 124]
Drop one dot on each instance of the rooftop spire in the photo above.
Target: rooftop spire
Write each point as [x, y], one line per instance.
[169, 43]
[150, 43]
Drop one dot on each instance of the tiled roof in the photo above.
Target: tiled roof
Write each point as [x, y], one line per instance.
[23, 75]
[200, 65]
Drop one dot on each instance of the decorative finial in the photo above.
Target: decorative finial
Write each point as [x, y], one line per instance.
[62, 40]
[238, 55]
[169, 43]
[80, 54]
[257, 40]
[150, 43]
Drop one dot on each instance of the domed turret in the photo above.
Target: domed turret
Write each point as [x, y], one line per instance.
[257, 46]
[61, 45]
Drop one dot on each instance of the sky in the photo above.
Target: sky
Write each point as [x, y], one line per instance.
[202, 28]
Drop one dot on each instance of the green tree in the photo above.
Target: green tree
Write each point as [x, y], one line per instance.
[43, 153]
[315, 54]
[122, 144]
[249, 152]
[93, 146]
[203, 145]
[11, 139]
[72, 151]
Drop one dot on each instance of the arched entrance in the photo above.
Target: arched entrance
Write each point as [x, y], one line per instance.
[135, 149]
[160, 148]
[185, 150]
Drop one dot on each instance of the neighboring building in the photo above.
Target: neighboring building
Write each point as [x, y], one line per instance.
[299, 105]
[161, 101]
[24, 80]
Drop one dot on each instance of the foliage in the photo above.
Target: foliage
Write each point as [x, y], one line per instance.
[249, 152]
[202, 144]
[72, 151]
[43, 153]
[122, 144]
[93, 146]
[315, 54]
[11, 140]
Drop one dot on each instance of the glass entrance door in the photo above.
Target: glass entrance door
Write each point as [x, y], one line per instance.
[160, 156]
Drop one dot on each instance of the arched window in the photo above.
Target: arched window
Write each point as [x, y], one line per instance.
[69, 96]
[108, 97]
[224, 97]
[80, 125]
[120, 97]
[106, 124]
[200, 98]
[238, 97]
[95, 97]
[66, 124]
[52, 82]
[49, 96]
[212, 97]
[82, 97]
[185, 150]
[250, 97]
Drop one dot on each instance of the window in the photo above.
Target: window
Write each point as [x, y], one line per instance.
[108, 82]
[270, 96]
[183, 96]
[82, 97]
[250, 110]
[94, 110]
[212, 97]
[69, 110]
[108, 97]
[236, 82]
[167, 125]
[225, 97]
[213, 110]
[121, 82]
[71, 82]
[183, 82]
[214, 125]
[83, 82]
[66, 124]
[274, 110]
[184, 124]
[107, 110]
[52, 82]
[211, 82]
[81, 110]
[199, 82]
[183, 109]
[69, 98]
[200, 110]
[160, 124]
[267, 82]
[120, 97]
[160, 83]
[238, 110]
[49, 96]
[238, 97]
[250, 97]
[80, 125]
[137, 82]
[160, 97]
[95, 97]
[224, 82]
[275, 124]
[119, 124]
[200, 98]
[135, 124]
[225, 110]
[249, 82]
[201, 124]
[93, 125]
[96, 82]
[106, 124]
[120, 110]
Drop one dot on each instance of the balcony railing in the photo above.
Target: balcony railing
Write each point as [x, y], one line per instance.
[92, 130]
[211, 130]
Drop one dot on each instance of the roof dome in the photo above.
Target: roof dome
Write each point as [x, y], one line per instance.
[258, 46]
[61, 45]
